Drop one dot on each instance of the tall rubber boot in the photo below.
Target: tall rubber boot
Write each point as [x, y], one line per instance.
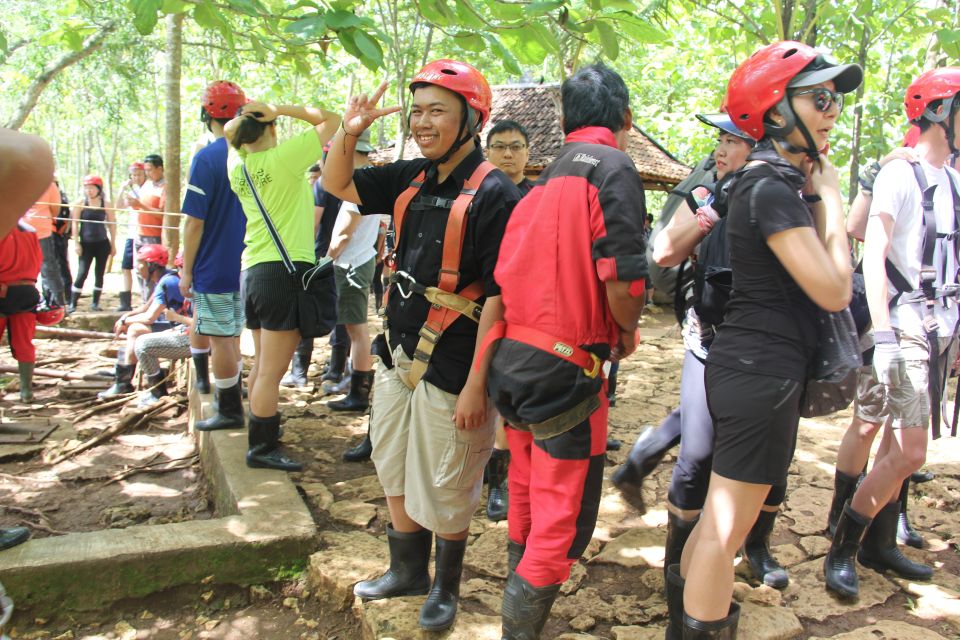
[644, 457]
[498, 495]
[25, 369]
[407, 575]
[725, 629]
[922, 476]
[359, 397]
[515, 552]
[674, 587]
[612, 385]
[844, 487]
[158, 389]
[440, 608]
[229, 413]
[906, 534]
[263, 438]
[201, 365]
[338, 361]
[526, 608]
[839, 566]
[122, 382]
[125, 299]
[13, 536]
[299, 365]
[756, 551]
[879, 550]
[74, 299]
[362, 451]
[678, 530]
[95, 303]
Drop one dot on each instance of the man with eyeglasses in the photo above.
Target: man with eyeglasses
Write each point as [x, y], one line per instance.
[508, 147]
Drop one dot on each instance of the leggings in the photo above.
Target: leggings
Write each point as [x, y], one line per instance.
[95, 254]
[691, 474]
[173, 344]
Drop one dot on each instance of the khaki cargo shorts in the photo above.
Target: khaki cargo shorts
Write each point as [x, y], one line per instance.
[909, 403]
[419, 453]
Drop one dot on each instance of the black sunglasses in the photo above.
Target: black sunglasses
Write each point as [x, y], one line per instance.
[823, 98]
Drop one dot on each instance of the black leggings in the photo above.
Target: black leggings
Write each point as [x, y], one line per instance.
[96, 254]
[691, 475]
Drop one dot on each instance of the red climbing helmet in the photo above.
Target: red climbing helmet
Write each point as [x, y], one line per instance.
[222, 99]
[462, 79]
[154, 254]
[760, 83]
[136, 166]
[937, 84]
[49, 315]
[178, 260]
[93, 180]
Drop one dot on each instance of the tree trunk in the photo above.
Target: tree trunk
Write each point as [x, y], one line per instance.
[854, 186]
[32, 94]
[172, 159]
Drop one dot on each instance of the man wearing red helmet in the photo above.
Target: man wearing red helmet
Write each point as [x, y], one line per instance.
[150, 204]
[212, 245]
[128, 191]
[166, 308]
[909, 269]
[95, 237]
[432, 424]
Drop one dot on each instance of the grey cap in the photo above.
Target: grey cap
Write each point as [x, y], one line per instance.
[723, 122]
[363, 142]
[846, 77]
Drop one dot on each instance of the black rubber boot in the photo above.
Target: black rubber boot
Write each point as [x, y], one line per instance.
[25, 370]
[525, 608]
[839, 566]
[644, 457]
[725, 629]
[299, 365]
[122, 382]
[678, 530]
[263, 438]
[918, 477]
[359, 397]
[515, 552]
[13, 536]
[158, 389]
[229, 413]
[674, 587]
[201, 365]
[844, 487]
[74, 299]
[360, 452]
[440, 608]
[125, 299]
[95, 303]
[498, 495]
[612, 386]
[906, 534]
[756, 551]
[613, 444]
[880, 552]
[407, 575]
[338, 361]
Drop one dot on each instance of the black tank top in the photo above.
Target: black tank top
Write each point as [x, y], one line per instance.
[95, 231]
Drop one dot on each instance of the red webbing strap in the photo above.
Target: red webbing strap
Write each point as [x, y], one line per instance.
[401, 205]
[456, 228]
[589, 362]
[438, 319]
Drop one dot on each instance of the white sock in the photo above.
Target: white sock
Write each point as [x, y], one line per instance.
[226, 383]
[199, 352]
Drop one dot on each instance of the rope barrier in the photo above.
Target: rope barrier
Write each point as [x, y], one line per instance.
[149, 213]
[152, 226]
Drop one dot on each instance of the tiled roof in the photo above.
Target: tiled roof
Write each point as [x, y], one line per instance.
[537, 108]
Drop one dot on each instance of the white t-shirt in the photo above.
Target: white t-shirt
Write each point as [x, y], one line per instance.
[362, 245]
[897, 193]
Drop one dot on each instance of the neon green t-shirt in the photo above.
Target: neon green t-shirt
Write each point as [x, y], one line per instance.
[278, 175]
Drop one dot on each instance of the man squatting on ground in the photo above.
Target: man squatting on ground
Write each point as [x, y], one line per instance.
[432, 422]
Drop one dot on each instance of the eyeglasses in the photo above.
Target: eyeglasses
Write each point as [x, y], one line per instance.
[499, 147]
[823, 98]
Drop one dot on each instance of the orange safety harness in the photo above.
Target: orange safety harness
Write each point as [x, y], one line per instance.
[446, 304]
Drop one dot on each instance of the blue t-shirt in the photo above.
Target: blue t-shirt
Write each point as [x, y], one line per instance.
[216, 269]
[167, 292]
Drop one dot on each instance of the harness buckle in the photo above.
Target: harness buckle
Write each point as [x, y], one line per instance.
[429, 334]
[597, 366]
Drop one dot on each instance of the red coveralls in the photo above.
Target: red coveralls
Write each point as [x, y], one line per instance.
[20, 260]
[580, 226]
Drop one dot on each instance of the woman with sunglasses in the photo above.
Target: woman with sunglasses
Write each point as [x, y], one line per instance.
[789, 256]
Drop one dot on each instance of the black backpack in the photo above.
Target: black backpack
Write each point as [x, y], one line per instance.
[712, 275]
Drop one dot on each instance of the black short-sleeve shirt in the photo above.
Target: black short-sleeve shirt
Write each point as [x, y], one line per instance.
[421, 249]
[525, 186]
[770, 325]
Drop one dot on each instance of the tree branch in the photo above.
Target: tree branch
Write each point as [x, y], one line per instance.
[32, 94]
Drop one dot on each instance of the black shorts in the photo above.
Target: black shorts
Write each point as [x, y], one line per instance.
[755, 418]
[270, 297]
[127, 263]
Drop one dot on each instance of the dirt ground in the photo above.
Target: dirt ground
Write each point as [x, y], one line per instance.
[317, 436]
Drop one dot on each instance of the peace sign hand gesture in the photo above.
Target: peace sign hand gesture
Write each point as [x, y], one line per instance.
[362, 111]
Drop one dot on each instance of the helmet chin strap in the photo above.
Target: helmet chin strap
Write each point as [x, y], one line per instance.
[811, 149]
[465, 124]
